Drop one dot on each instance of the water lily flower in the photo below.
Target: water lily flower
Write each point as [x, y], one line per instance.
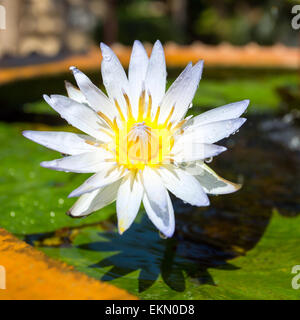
[137, 140]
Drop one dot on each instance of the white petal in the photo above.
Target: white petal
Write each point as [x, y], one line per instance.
[137, 73]
[128, 201]
[183, 186]
[163, 220]
[173, 95]
[82, 205]
[211, 132]
[109, 173]
[95, 200]
[156, 75]
[114, 76]
[74, 93]
[214, 184]
[181, 93]
[95, 97]
[78, 115]
[157, 203]
[195, 151]
[229, 111]
[64, 142]
[89, 162]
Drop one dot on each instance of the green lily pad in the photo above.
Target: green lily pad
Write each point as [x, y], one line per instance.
[261, 92]
[153, 268]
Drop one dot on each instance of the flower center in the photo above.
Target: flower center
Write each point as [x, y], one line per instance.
[142, 144]
[141, 140]
[139, 132]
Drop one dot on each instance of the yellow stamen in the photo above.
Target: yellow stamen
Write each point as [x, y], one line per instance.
[179, 125]
[149, 106]
[115, 124]
[157, 115]
[129, 110]
[169, 116]
[169, 125]
[92, 143]
[119, 110]
[107, 120]
[141, 106]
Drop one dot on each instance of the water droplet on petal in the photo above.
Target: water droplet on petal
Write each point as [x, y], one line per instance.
[209, 160]
[106, 56]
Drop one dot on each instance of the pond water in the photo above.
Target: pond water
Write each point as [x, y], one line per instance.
[228, 250]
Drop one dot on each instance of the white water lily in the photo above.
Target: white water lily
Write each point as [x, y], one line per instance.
[138, 141]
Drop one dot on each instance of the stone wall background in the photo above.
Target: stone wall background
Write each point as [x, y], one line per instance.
[48, 27]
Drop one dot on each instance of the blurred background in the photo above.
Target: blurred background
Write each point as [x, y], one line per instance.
[51, 27]
[250, 50]
[43, 38]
